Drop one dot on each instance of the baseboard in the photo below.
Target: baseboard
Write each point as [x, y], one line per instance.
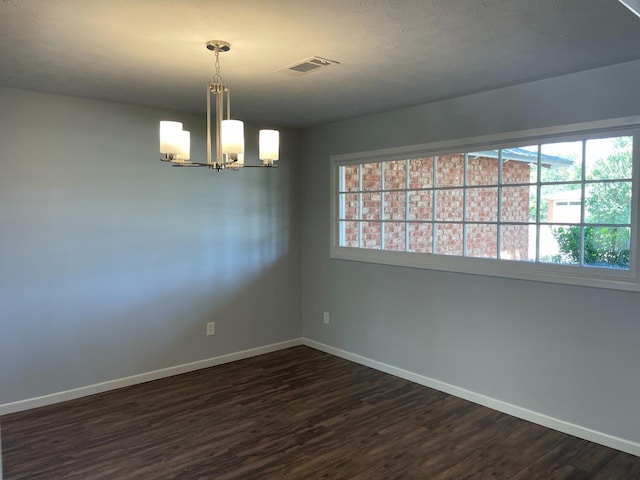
[621, 444]
[58, 397]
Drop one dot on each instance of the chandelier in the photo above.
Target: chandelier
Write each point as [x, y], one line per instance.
[175, 143]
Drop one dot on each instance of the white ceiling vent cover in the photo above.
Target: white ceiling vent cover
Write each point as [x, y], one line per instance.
[308, 65]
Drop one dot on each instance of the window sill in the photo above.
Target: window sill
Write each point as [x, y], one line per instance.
[561, 274]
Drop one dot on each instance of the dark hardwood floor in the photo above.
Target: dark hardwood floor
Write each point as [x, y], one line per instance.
[294, 414]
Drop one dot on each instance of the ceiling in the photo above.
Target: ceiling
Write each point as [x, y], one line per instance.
[392, 53]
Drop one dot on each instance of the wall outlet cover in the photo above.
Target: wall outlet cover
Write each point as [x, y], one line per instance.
[211, 328]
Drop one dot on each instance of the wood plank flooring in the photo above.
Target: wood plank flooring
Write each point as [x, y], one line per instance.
[293, 414]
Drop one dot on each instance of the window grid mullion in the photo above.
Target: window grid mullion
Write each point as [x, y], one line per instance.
[464, 205]
[407, 185]
[434, 202]
[538, 193]
[583, 203]
[360, 210]
[635, 160]
[499, 213]
[341, 208]
[382, 202]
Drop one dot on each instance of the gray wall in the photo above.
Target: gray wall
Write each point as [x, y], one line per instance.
[568, 352]
[112, 262]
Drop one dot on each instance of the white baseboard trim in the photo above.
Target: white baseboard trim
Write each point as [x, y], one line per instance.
[621, 444]
[58, 397]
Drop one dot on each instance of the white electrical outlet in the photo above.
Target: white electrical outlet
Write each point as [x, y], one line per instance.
[325, 318]
[211, 328]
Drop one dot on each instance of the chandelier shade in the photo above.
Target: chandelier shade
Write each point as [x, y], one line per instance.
[225, 136]
[170, 137]
[269, 144]
[184, 141]
[232, 137]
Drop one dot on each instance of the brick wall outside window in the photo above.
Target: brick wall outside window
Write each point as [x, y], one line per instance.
[401, 212]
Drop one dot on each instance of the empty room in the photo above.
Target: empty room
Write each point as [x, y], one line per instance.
[296, 239]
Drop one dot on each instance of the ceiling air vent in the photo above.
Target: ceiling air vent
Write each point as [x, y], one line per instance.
[308, 65]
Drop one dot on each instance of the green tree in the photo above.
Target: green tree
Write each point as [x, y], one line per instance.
[606, 203]
[611, 202]
[602, 246]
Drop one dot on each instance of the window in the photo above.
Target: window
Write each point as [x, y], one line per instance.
[554, 205]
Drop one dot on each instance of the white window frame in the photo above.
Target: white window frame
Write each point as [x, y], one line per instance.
[617, 279]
